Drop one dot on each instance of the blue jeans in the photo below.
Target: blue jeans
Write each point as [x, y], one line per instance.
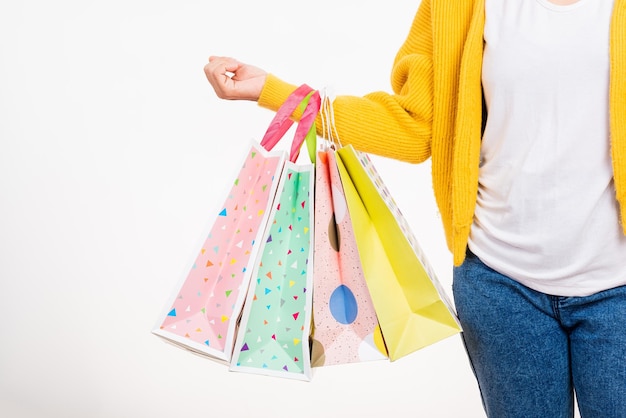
[531, 351]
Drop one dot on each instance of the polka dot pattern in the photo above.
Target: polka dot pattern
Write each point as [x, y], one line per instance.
[343, 305]
[344, 318]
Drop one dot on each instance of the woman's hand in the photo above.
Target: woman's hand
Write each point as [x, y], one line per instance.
[234, 80]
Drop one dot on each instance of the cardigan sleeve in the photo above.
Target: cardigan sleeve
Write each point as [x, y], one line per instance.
[395, 125]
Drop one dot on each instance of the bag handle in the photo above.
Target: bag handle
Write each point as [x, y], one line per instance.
[329, 129]
[302, 96]
[307, 120]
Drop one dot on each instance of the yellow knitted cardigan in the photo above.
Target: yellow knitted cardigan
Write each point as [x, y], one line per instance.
[436, 109]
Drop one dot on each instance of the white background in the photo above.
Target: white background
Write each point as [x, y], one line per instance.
[114, 152]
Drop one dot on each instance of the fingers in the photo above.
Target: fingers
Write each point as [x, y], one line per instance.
[219, 72]
[232, 79]
[219, 66]
[229, 64]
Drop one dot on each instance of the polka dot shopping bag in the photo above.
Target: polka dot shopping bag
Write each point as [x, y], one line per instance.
[346, 328]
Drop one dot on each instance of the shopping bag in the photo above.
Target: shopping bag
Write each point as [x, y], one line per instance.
[202, 314]
[276, 320]
[345, 326]
[412, 307]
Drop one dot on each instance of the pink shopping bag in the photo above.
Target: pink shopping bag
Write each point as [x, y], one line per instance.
[346, 327]
[203, 313]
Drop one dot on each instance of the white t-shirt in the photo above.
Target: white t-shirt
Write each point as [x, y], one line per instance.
[546, 213]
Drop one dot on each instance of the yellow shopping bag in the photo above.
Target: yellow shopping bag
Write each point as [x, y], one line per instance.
[412, 307]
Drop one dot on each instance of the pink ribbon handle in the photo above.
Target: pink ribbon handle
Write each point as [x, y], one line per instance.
[282, 120]
[306, 127]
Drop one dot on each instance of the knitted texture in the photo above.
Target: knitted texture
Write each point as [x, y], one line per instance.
[436, 109]
[617, 102]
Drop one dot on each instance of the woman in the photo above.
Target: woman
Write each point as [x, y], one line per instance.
[521, 104]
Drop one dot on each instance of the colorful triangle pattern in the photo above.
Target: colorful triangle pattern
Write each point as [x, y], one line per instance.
[280, 290]
[210, 295]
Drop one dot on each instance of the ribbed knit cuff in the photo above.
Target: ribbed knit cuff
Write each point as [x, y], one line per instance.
[275, 92]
